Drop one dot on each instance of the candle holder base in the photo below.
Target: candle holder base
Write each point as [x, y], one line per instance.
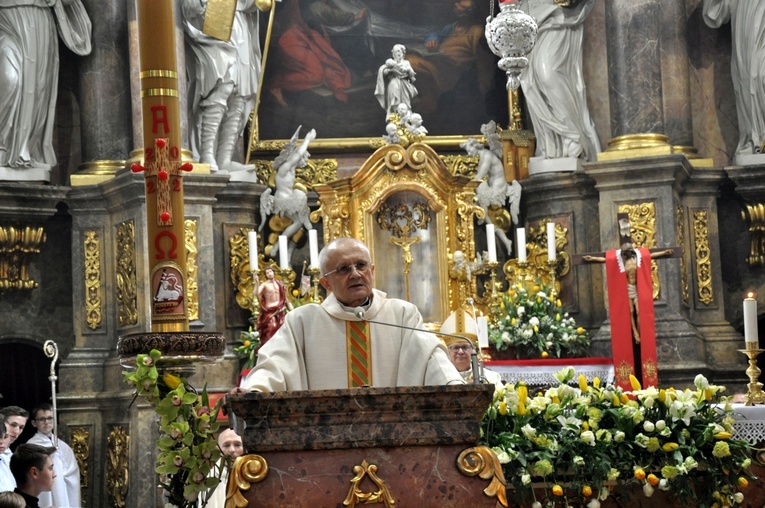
[754, 395]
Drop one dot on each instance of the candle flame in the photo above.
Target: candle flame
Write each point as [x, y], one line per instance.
[750, 295]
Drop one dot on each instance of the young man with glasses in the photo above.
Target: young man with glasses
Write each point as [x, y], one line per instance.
[66, 486]
[329, 346]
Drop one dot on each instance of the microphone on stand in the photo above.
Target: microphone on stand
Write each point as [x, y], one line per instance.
[359, 312]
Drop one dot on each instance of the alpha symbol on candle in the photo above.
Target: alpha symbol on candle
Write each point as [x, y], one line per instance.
[157, 119]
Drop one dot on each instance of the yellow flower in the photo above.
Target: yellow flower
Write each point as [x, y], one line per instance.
[511, 292]
[295, 293]
[580, 330]
[503, 408]
[246, 343]
[557, 490]
[596, 382]
[523, 393]
[662, 395]
[536, 287]
[625, 398]
[539, 299]
[670, 447]
[521, 409]
[586, 490]
[545, 354]
[582, 383]
[536, 329]
[742, 482]
[585, 426]
[513, 321]
[171, 381]
[617, 401]
[557, 316]
[558, 303]
[639, 473]
[635, 383]
[653, 479]
[723, 435]
[707, 394]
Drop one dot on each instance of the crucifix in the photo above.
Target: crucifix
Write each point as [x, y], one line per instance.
[630, 305]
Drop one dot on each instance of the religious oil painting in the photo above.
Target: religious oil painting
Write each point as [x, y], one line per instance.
[326, 57]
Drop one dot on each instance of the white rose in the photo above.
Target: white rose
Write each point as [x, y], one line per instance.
[648, 490]
[594, 503]
[664, 484]
[619, 436]
[526, 479]
[738, 497]
[648, 426]
[661, 425]
[588, 437]
[536, 504]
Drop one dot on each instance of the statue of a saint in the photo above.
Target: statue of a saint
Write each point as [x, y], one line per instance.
[29, 77]
[223, 82]
[274, 305]
[553, 83]
[747, 66]
[494, 192]
[395, 80]
[288, 201]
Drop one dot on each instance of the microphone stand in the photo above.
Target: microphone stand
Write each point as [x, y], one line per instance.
[359, 313]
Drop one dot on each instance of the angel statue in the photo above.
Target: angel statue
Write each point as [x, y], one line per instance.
[493, 193]
[288, 202]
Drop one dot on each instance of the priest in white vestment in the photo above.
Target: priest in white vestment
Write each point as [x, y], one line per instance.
[315, 349]
[66, 485]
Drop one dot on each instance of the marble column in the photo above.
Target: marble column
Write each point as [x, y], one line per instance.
[633, 31]
[675, 74]
[105, 94]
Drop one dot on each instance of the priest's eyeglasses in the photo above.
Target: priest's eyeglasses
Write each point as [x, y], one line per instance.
[346, 270]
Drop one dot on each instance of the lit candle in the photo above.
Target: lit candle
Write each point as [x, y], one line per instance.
[491, 243]
[313, 248]
[750, 320]
[284, 255]
[482, 323]
[521, 244]
[252, 243]
[551, 255]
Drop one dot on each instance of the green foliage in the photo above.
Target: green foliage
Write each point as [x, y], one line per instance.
[535, 325]
[247, 350]
[587, 436]
[188, 451]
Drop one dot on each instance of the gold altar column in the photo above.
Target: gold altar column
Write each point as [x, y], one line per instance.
[162, 152]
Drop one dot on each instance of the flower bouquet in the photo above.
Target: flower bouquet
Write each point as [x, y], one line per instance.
[575, 442]
[536, 325]
[189, 456]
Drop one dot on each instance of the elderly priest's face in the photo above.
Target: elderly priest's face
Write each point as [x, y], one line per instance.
[350, 273]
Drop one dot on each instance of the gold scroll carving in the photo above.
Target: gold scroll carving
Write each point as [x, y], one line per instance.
[247, 469]
[127, 292]
[356, 496]
[92, 254]
[17, 246]
[192, 269]
[755, 216]
[315, 172]
[482, 461]
[536, 248]
[643, 231]
[117, 466]
[79, 437]
[703, 259]
[240, 273]
[681, 242]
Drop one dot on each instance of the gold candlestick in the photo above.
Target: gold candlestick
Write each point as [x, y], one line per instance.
[314, 272]
[255, 300]
[552, 264]
[523, 267]
[494, 295]
[755, 395]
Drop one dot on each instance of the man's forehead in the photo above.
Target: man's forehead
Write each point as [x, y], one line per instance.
[15, 421]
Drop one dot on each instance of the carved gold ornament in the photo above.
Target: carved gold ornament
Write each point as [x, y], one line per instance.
[79, 437]
[681, 243]
[755, 216]
[240, 273]
[703, 259]
[127, 292]
[357, 496]
[192, 269]
[482, 461]
[315, 172]
[247, 469]
[92, 255]
[643, 231]
[17, 246]
[117, 467]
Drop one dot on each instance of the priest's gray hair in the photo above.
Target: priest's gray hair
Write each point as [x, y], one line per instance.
[335, 244]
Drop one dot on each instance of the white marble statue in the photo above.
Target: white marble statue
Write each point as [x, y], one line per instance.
[747, 19]
[414, 124]
[288, 201]
[553, 83]
[29, 64]
[395, 80]
[223, 82]
[494, 192]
